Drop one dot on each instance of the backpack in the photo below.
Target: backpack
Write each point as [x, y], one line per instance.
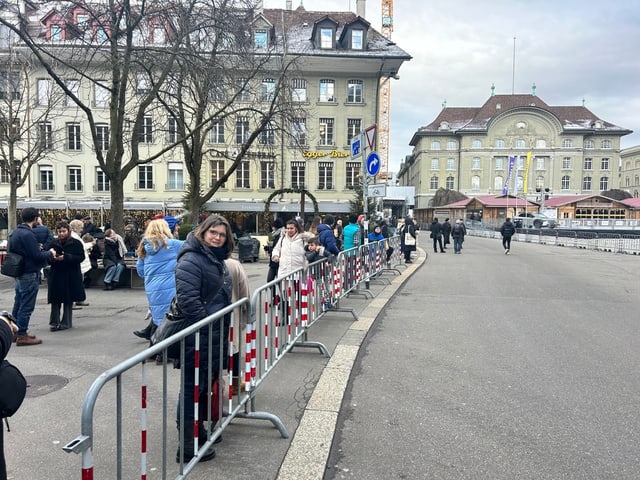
[13, 389]
[457, 229]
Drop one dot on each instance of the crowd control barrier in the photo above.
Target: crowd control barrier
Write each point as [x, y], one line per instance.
[263, 329]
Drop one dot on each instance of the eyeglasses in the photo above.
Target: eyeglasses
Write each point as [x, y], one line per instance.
[217, 234]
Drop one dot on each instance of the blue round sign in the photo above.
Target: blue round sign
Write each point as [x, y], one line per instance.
[373, 164]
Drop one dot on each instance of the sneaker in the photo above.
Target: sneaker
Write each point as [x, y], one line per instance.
[507, 252]
[76, 307]
[26, 340]
[82, 304]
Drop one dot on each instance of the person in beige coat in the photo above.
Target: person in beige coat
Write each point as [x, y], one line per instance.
[239, 289]
[76, 230]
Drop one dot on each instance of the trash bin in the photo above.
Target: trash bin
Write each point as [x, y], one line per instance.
[248, 249]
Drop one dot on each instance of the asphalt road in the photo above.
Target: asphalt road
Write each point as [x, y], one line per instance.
[488, 366]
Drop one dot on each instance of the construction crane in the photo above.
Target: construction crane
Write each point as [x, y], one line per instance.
[384, 105]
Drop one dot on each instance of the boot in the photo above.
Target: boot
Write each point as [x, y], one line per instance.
[208, 454]
[146, 332]
[107, 286]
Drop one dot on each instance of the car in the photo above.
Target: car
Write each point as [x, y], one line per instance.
[533, 220]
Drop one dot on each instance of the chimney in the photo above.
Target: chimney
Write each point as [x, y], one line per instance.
[360, 8]
[289, 4]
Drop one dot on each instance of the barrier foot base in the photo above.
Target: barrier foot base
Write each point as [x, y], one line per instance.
[364, 292]
[321, 348]
[266, 416]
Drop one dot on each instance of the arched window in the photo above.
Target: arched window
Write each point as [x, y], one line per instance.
[589, 144]
[586, 183]
[498, 183]
[449, 185]
[565, 183]
[604, 183]
[567, 143]
[434, 183]
[475, 183]
[435, 145]
[476, 143]
[452, 145]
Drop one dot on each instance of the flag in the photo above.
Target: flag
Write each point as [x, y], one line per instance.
[505, 188]
[526, 172]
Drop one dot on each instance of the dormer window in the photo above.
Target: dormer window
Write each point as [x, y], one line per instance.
[260, 39]
[357, 39]
[326, 38]
[55, 33]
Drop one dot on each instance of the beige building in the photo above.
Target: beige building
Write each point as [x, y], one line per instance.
[343, 61]
[630, 174]
[468, 149]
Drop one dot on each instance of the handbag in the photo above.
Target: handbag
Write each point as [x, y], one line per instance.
[174, 322]
[12, 265]
[409, 239]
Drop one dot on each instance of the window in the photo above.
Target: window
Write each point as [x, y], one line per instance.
[6, 36]
[541, 143]
[73, 136]
[604, 164]
[55, 33]
[268, 135]
[44, 91]
[357, 39]
[299, 132]
[475, 183]
[260, 39]
[6, 178]
[82, 20]
[500, 143]
[216, 134]
[297, 174]
[540, 182]
[327, 90]
[102, 136]
[354, 91]
[520, 143]
[589, 144]
[74, 179]
[604, 183]
[588, 163]
[242, 175]
[326, 132]
[102, 181]
[565, 183]
[435, 145]
[452, 145]
[142, 84]
[172, 130]
[449, 182]
[45, 174]
[434, 183]
[354, 127]
[476, 143]
[74, 87]
[326, 38]
[500, 161]
[435, 164]
[267, 175]
[606, 144]
[498, 183]
[519, 182]
[145, 134]
[352, 173]
[566, 163]
[267, 90]
[242, 130]
[158, 35]
[586, 183]
[475, 163]
[175, 178]
[242, 87]
[100, 95]
[217, 91]
[299, 90]
[217, 171]
[145, 177]
[325, 175]
[539, 163]
[45, 135]
[451, 164]
[567, 143]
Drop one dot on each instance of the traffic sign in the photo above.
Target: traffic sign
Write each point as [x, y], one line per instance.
[373, 164]
[356, 146]
[377, 190]
[370, 133]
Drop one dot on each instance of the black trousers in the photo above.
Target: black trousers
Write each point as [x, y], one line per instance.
[506, 242]
[54, 317]
[437, 241]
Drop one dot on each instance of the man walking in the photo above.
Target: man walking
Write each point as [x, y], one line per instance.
[23, 242]
[507, 230]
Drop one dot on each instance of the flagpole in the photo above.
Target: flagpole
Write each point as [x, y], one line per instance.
[513, 71]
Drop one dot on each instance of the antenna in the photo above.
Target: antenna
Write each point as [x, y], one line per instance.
[513, 73]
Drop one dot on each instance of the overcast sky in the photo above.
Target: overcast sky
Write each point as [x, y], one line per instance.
[571, 49]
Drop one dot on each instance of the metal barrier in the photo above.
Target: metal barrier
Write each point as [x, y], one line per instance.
[276, 320]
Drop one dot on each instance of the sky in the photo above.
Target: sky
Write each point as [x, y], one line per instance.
[572, 50]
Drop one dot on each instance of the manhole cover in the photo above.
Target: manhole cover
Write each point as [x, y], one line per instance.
[40, 385]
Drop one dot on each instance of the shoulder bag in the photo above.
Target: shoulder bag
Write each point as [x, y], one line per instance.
[12, 265]
[408, 238]
[174, 322]
[13, 389]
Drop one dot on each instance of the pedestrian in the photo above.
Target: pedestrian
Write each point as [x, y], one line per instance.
[337, 232]
[156, 264]
[315, 223]
[408, 238]
[94, 255]
[203, 287]
[89, 227]
[326, 237]
[436, 235]
[43, 234]
[239, 289]
[85, 266]
[446, 232]
[65, 278]
[314, 250]
[458, 232]
[7, 330]
[351, 233]
[385, 229]
[507, 230]
[23, 242]
[113, 260]
[277, 228]
[376, 234]
[288, 253]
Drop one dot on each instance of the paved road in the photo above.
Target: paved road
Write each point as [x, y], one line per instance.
[487, 366]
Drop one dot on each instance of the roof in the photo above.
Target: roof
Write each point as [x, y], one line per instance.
[492, 201]
[631, 202]
[556, 201]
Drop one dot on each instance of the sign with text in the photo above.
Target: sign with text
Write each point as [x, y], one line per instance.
[377, 190]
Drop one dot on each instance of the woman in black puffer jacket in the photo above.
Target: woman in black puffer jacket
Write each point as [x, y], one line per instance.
[203, 287]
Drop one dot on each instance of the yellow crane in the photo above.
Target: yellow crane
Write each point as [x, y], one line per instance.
[385, 98]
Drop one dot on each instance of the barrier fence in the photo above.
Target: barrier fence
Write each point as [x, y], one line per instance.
[257, 333]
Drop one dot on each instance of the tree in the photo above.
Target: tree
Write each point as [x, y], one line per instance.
[445, 196]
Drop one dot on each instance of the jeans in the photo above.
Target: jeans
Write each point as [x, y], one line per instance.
[506, 243]
[457, 244]
[24, 302]
[113, 273]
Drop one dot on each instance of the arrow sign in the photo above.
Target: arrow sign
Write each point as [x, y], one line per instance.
[370, 133]
[373, 164]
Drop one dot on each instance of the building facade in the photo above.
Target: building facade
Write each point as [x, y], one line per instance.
[468, 149]
[630, 174]
[341, 62]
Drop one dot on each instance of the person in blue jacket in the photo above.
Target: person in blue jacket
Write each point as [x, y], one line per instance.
[326, 236]
[156, 264]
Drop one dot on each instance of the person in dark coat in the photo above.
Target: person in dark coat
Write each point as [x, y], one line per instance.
[276, 227]
[446, 232]
[7, 330]
[507, 230]
[113, 260]
[43, 234]
[65, 278]
[203, 287]
[326, 237]
[408, 227]
[436, 235]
